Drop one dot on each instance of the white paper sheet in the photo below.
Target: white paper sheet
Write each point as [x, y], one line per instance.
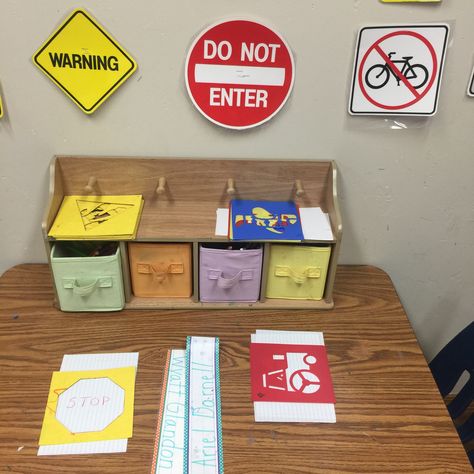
[294, 412]
[170, 455]
[315, 224]
[73, 362]
[288, 337]
[92, 447]
[203, 453]
[99, 361]
[80, 412]
[222, 222]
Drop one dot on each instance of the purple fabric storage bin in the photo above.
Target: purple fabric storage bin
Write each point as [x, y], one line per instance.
[229, 275]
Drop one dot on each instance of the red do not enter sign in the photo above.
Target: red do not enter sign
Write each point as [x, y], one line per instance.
[239, 73]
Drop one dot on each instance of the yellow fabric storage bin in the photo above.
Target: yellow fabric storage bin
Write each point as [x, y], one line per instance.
[160, 269]
[297, 272]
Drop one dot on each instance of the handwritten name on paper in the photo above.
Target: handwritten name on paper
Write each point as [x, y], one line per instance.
[170, 453]
[207, 404]
[204, 449]
[205, 408]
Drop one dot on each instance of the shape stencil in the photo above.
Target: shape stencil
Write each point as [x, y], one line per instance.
[95, 213]
[290, 373]
[96, 217]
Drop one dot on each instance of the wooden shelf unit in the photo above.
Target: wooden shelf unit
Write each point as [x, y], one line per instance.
[182, 208]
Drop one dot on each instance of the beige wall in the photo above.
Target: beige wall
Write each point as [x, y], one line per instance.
[407, 194]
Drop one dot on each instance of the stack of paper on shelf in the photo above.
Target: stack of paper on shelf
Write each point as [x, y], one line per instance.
[189, 433]
[290, 377]
[90, 405]
[264, 220]
[97, 217]
[315, 223]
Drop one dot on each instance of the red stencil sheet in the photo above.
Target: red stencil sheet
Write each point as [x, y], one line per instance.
[290, 373]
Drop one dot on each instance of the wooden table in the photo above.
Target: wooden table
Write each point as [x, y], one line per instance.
[390, 416]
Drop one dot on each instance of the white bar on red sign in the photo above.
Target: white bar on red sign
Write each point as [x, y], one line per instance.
[244, 75]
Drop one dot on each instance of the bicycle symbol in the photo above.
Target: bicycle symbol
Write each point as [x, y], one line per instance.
[379, 74]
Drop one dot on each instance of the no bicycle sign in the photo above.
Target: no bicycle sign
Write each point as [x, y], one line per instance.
[398, 69]
[239, 73]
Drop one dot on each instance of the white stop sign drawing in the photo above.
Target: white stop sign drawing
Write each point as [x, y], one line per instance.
[90, 405]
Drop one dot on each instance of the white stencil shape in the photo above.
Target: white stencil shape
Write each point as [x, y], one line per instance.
[90, 405]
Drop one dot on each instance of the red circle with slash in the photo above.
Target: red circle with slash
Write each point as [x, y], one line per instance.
[418, 95]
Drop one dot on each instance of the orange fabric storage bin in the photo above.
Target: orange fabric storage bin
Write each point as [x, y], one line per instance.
[160, 269]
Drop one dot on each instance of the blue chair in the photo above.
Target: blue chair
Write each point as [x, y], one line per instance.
[447, 367]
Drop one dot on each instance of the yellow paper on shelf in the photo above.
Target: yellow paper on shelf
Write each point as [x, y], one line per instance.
[97, 217]
[89, 405]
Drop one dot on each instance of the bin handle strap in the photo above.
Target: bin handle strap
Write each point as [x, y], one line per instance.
[85, 290]
[160, 275]
[215, 274]
[297, 277]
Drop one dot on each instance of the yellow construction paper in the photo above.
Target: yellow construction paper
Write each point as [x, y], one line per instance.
[83, 59]
[97, 217]
[1, 107]
[55, 432]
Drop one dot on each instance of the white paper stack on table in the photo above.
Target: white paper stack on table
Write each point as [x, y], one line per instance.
[290, 377]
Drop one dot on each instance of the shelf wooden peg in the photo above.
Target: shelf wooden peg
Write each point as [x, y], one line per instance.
[230, 187]
[161, 185]
[299, 188]
[91, 184]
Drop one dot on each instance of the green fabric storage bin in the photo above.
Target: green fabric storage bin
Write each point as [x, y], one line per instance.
[87, 283]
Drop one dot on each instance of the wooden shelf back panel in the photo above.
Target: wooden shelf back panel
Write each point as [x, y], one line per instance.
[191, 179]
[195, 188]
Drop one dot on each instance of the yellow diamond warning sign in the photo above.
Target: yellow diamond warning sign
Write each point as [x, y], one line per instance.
[84, 61]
